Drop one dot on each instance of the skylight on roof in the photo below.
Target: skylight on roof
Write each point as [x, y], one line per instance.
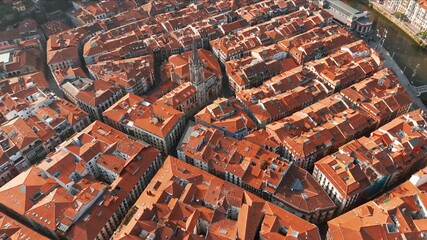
[294, 233]
[304, 196]
[297, 185]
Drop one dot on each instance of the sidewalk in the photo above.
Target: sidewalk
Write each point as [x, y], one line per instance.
[404, 81]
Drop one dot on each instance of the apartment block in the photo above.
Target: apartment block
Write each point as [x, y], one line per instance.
[319, 130]
[94, 97]
[381, 96]
[200, 205]
[159, 125]
[369, 165]
[228, 116]
[133, 75]
[85, 188]
[11, 229]
[256, 170]
[400, 213]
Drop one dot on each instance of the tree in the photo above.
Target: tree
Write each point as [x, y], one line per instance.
[399, 16]
[422, 35]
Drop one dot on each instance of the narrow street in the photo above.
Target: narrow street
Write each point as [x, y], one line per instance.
[53, 86]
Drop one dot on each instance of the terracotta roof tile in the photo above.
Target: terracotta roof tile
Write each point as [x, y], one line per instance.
[220, 197]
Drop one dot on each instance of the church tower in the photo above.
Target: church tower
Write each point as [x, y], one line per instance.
[196, 66]
[196, 75]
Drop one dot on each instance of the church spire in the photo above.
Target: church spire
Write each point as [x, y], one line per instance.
[195, 56]
[196, 66]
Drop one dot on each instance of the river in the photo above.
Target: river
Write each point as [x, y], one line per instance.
[408, 54]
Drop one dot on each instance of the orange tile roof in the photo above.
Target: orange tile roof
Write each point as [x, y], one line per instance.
[391, 216]
[177, 67]
[380, 95]
[309, 198]
[127, 72]
[62, 164]
[96, 93]
[40, 193]
[303, 121]
[12, 229]
[18, 193]
[343, 68]
[159, 119]
[227, 114]
[59, 206]
[130, 107]
[388, 150]
[43, 131]
[26, 81]
[165, 200]
[60, 111]
[111, 200]
[20, 133]
[62, 55]
[178, 95]
[61, 75]
[250, 163]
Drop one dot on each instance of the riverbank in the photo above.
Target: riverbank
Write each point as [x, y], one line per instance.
[387, 14]
[404, 81]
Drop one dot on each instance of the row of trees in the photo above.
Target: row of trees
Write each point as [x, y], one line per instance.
[402, 17]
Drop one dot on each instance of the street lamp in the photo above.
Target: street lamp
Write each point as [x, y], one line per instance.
[379, 38]
[383, 38]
